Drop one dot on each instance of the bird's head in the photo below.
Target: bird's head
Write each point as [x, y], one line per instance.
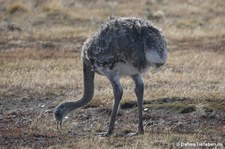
[60, 112]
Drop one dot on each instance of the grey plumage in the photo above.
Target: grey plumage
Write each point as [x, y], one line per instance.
[121, 46]
[125, 40]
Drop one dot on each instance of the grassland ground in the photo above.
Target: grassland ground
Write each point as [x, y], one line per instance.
[40, 43]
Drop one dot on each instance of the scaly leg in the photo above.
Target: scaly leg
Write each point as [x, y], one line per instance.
[139, 91]
[118, 92]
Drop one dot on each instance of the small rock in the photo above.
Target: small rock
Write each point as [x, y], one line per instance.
[48, 111]
[40, 106]
[131, 134]
[145, 109]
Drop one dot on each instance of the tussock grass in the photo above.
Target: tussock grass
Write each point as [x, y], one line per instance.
[17, 7]
[52, 6]
[40, 67]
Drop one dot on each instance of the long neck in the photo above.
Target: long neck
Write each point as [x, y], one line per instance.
[88, 79]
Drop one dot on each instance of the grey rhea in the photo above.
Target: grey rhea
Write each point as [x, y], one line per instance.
[120, 47]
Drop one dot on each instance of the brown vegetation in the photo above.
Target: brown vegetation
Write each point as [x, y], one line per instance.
[40, 43]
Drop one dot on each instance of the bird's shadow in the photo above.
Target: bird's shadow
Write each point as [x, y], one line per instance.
[133, 104]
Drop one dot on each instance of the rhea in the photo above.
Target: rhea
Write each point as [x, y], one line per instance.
[120, 47]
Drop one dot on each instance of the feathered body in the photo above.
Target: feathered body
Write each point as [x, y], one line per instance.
[129, 45]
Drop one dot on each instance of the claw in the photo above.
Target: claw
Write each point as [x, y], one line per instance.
[59, 123]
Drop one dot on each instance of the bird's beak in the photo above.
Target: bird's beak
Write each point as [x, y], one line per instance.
[59, 123]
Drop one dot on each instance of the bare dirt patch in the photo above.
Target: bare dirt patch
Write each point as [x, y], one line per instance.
[162, 116]
[40, 43]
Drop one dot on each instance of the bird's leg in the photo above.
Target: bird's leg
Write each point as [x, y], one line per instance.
[118, 92]
[139, 91]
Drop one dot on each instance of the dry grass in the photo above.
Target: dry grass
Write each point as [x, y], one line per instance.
[40, 44]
